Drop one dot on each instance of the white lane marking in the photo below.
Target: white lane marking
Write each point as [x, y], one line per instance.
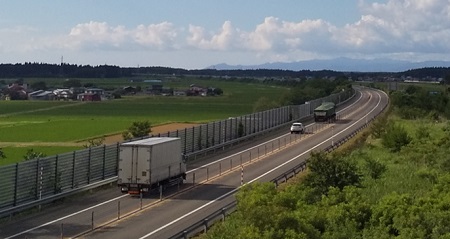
[100, 204]
[256, 146]
[251, 181]
[62, 218]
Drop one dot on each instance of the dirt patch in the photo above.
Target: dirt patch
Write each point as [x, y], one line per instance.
[160, 129]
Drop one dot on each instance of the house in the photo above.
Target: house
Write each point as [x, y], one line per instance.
[94, 91]
[129, 90]
[155, 89]
[22, 85]
[197, 90]
[63, 94]
[41, 95]
[91, 94]
[16, 91]
[179, 93]
[89, 97]
[152, 81]
[76, 90]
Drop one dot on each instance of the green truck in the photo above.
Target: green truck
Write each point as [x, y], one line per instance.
[325, 112]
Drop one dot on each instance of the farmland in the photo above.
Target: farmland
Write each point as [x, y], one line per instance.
[54, 127]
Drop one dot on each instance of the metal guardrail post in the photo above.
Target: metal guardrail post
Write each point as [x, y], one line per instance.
[118, 210]
[73, 170]
[89, 166]
[104, 162]
[223, 214]
[205, 224]
[92, 221]
[16, 181]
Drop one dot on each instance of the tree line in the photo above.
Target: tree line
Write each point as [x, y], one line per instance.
[34, 69]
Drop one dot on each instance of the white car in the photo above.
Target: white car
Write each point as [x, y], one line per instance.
[297, 128]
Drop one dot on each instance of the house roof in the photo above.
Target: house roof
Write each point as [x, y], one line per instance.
[45, 93]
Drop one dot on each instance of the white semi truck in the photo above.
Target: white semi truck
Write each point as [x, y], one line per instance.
[150, 163]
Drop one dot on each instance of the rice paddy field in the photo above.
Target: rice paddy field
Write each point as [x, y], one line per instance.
[53, 127]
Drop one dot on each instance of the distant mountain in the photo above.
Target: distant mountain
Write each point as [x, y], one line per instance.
[339, 64]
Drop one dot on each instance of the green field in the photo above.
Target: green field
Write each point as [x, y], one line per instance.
[56, 121]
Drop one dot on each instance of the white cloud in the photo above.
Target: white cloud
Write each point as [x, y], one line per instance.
[160, 36]
[223, 40]
[397, 28]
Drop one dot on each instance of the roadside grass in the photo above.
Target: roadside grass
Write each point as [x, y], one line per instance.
[401, 175]
[413, 170]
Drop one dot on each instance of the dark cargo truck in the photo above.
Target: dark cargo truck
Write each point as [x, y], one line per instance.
[150, 163]
[325, 112]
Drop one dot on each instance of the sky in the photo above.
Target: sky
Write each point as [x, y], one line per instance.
[195, 34]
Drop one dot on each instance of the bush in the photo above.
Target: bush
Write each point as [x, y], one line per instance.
[329, 172]
[422, 132]
[395, 138]
[375, 168]
[136, 130]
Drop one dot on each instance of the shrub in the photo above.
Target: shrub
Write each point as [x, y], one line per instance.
[329, 172]
[375, 168]
[31, 154]
[137, 129]
[422, 132]
[395, 138]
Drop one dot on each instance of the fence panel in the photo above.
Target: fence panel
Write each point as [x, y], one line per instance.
[8, 182]
[27, 179]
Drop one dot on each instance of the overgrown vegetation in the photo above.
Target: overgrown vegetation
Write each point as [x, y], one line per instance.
[137, 129]
[31, 154]
[397, 185]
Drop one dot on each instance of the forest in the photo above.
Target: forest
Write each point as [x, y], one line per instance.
[391, 181]
[34, 69]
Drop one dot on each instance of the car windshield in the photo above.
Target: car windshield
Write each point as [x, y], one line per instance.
[296, 124]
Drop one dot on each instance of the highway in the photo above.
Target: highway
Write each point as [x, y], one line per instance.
[210, 185]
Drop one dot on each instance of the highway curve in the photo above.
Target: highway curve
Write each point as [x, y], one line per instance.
[210, 184]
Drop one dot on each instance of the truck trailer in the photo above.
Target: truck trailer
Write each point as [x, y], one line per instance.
[325, 112]
[150, 163]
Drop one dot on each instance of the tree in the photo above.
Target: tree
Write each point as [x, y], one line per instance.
[2, 154]
[94, 142]
[447, 80]
[40, 85]
[262, 104]
[72, 83]
[240, 129]
[89, 85]
[375, 168]
[218, 91]
[137, 129]
[395, 137]
[31, 154]
[379, 127]
[329, 172]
